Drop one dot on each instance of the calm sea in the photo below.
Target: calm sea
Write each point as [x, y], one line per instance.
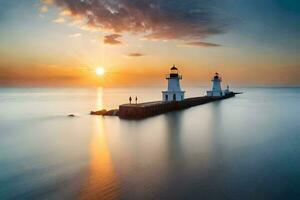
[247, 147]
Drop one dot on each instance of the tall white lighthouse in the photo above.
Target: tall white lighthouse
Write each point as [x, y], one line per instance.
[216, 88]
[174, 92]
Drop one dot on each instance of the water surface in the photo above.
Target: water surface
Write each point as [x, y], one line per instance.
[245, 147]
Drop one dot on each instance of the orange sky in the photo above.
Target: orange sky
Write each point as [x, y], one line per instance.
[50, 47]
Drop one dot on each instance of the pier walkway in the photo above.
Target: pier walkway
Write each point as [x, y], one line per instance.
[148, 109]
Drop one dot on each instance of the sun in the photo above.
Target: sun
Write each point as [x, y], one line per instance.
[100, 71]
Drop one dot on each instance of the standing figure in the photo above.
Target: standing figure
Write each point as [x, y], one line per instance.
[130, 99]
[136, 99]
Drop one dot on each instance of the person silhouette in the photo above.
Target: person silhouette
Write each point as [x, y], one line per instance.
[130, 99]
[136, 99]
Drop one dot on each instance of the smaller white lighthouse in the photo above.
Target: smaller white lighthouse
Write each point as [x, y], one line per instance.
[174, 92]
[216, 88]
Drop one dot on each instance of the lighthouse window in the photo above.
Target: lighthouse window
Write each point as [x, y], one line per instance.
[174, 97]
[166, 97]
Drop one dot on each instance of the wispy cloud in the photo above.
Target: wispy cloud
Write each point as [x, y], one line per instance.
[65, 13]
[59, 20]
[200, 44]
[154, 19]
[43, 9]
[47, 1]
[112, 39]
[135, 54]
[75, 35]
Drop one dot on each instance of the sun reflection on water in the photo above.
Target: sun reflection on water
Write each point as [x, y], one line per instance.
[101, 182]
[99, 103]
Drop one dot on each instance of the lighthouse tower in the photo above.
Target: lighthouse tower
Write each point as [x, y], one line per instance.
[174, 92]
[216, 88]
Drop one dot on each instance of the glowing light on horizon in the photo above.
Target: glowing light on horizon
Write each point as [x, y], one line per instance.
[100, 71]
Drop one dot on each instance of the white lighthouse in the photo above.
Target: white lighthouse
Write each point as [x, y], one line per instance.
[174, 92]
[216, 88]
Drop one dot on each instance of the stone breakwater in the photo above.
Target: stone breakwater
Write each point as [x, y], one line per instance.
[148, 109]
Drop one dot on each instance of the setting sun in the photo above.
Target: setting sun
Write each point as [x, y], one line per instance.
[100, 71]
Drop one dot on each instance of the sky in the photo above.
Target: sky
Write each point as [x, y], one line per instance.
[62, 42]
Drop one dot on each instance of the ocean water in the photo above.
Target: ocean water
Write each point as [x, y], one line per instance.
[247, 147]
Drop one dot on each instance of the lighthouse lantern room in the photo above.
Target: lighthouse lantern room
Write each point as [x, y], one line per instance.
[174, 92]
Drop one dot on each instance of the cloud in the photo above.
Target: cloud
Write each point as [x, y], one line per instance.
[59, 20]
[65, 13]
[135, 55]
[112, 39]
[154, 19]
[47, 1]
[75, 35]
[200, 44]
[43, 9]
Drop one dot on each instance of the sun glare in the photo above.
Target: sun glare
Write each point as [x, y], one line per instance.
[100, 71]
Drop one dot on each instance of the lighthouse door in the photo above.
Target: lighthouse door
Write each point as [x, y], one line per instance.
[174, 97]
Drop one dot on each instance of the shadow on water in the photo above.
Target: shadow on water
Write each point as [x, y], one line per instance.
[174, 155]
[199, 175]
[173, 133]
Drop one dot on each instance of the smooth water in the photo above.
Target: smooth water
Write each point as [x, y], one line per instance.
[247, 147]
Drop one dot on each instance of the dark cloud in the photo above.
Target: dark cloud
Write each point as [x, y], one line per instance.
[135, 55]
[154, 19]
[201, 44]
[112, 39]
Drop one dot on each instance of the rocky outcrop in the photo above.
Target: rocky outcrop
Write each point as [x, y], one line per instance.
[113, 112]
[104, 112]
[99, 112]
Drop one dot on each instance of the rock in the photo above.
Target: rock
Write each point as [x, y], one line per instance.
[71, 115]
[113, 112]
[99, 112]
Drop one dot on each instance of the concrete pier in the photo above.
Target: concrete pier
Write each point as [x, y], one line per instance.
[144, 110]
